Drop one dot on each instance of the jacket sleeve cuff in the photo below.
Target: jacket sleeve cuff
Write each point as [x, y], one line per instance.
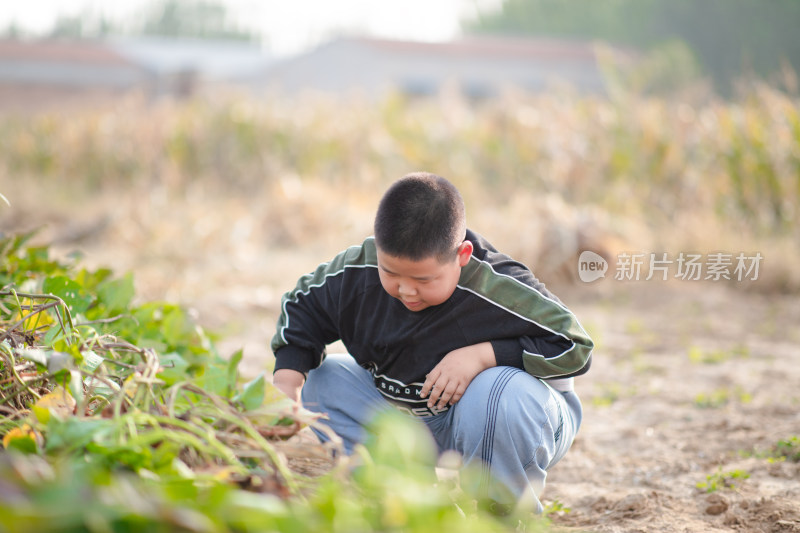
[294, 358]
[507, 352]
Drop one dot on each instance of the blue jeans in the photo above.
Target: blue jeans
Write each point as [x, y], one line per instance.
[509, 423]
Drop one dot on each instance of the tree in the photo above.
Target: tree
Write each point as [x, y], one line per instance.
[190, 18]
[82, 26]
[730, 38]
[204, 19]
[12, 31]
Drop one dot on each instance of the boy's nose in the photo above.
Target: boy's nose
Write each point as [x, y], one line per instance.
[406, 290]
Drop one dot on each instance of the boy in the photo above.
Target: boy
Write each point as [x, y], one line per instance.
[438, 324]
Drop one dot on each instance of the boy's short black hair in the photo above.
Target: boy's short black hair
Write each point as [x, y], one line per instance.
[421, 215]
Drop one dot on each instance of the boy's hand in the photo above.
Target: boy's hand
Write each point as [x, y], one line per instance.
[449, 379]
[290, 382]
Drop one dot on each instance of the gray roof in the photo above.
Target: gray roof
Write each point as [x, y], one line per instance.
[208, 58]
[65, 63]
[480, 66]
[120, 63]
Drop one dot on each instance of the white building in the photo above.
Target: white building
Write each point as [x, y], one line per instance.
[480, 67]
[57, 71]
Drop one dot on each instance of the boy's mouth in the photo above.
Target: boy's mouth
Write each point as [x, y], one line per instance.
[412, 304]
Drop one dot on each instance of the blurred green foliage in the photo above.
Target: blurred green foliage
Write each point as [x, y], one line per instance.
[720, 480]
[394, 492]
[788, 449]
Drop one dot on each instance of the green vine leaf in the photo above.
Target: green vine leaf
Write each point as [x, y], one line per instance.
[72, 293]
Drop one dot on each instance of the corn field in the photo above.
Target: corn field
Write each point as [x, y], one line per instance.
[630, 172]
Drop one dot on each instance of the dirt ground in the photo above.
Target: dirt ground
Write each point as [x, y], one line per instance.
[691, 382]
[688, 382]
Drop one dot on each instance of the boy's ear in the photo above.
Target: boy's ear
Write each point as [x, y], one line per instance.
[464, 253]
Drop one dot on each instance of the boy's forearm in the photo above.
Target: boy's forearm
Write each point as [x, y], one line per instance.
[290, 382]
[484, 351]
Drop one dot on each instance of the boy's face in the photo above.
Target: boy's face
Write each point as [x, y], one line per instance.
[424, 283]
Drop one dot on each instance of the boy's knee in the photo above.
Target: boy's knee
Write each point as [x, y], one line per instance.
[322, 381]
[332, 367]
[504, 399]
[524, 397]
[527, 410]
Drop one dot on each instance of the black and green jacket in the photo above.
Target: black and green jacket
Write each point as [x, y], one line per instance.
[497, 300]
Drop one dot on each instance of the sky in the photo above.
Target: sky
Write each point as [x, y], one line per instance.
[289, 26]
